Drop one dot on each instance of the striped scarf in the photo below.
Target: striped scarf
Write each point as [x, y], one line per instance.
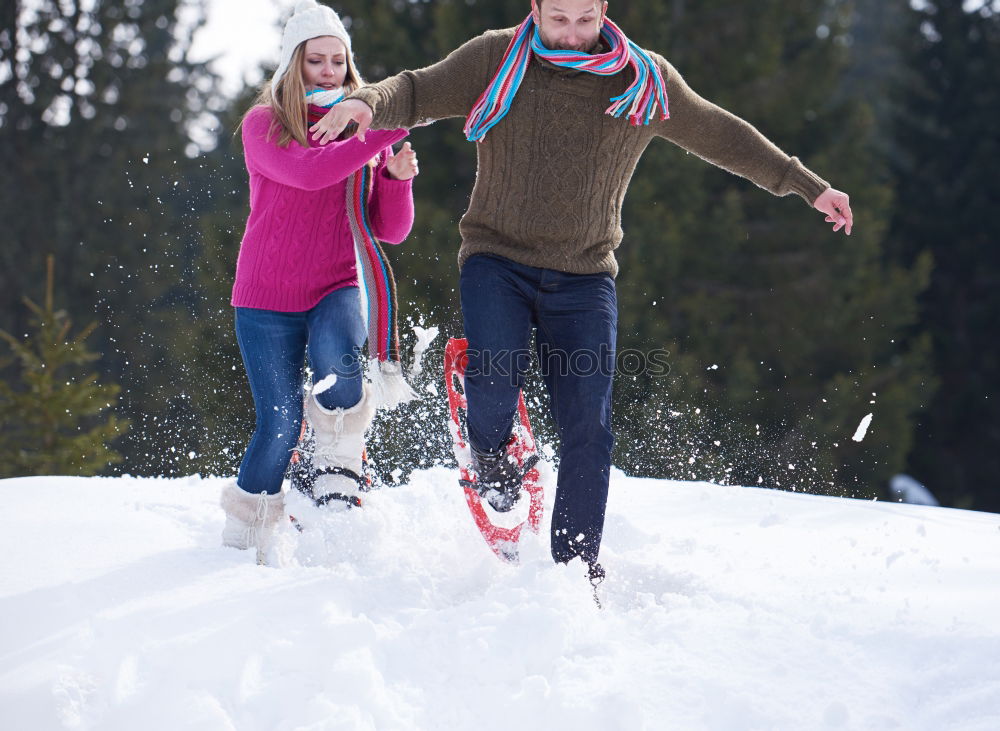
[378, 287]
[640, 99]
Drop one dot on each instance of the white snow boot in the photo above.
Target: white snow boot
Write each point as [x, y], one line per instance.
[250, 519]
[339, 436]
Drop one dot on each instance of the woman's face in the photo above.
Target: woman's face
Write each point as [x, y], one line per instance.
[324, 63]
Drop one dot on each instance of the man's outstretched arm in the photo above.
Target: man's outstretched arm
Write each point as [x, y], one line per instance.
[448, 88]
[733, 144]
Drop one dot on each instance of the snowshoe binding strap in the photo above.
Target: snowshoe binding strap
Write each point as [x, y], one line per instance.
[353, 501]
[483, 489]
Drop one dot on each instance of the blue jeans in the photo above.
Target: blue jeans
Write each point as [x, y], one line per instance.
[575, 318]
[274, 345]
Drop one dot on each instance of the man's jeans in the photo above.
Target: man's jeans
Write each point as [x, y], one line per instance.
[274, 346]
[576, 321]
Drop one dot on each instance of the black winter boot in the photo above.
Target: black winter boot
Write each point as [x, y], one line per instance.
[499, 478]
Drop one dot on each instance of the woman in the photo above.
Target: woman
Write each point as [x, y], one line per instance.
[314, 212]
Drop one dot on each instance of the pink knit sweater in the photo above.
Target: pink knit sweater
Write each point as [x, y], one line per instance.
[298, 247]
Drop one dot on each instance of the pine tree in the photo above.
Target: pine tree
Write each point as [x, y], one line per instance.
[782, 335]
[946, 153]
[53, 417]
[101, 115]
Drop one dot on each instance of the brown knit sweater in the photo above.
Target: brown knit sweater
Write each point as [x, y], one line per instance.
[553, 173]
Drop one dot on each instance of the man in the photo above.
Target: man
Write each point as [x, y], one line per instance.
[544, 220]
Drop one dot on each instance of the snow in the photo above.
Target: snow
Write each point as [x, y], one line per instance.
[724, 608]
[325, 385]
[425, 336]
[859, 433]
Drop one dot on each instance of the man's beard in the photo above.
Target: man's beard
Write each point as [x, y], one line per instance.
[589, 50]
[592, 49]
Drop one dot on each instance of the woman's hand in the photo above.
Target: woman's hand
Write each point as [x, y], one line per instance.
[340, 115]
[403, 165]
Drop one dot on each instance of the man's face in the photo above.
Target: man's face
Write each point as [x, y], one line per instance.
[569, 25]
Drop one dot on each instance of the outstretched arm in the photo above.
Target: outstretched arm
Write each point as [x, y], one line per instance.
[307, 168]
[733, 144]
[449, 88]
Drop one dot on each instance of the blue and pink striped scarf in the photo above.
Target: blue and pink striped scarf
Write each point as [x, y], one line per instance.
[378, 286]
[640, 100]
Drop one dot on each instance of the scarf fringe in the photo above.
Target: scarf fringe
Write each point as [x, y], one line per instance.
[378, 289]
[389, 386]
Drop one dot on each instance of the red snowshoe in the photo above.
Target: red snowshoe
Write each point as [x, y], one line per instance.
[503, 541]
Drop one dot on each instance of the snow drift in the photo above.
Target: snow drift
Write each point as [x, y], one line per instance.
[725, 608]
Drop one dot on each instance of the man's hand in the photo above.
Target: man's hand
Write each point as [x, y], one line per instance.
[837, 207]
[341, 115]
[403, 165]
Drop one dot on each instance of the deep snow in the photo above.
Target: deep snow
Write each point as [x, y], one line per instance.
[725, 608]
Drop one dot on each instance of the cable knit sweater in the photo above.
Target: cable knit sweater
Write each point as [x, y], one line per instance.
[298, 247]
[553, 173]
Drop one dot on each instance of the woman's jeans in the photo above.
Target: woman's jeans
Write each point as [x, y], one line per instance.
[274, 346]
[575, 317]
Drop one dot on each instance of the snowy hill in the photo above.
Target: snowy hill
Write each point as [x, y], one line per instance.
[725, 608]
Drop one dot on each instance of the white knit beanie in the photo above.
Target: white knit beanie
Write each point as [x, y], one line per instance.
[309, 20]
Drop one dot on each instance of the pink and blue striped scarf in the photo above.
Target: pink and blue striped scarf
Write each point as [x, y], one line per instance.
[641, 99]
[378, 286]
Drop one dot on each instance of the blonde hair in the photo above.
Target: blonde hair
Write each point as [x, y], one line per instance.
[287, 99]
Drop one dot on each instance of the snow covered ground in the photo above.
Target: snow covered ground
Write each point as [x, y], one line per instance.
[725, 608]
